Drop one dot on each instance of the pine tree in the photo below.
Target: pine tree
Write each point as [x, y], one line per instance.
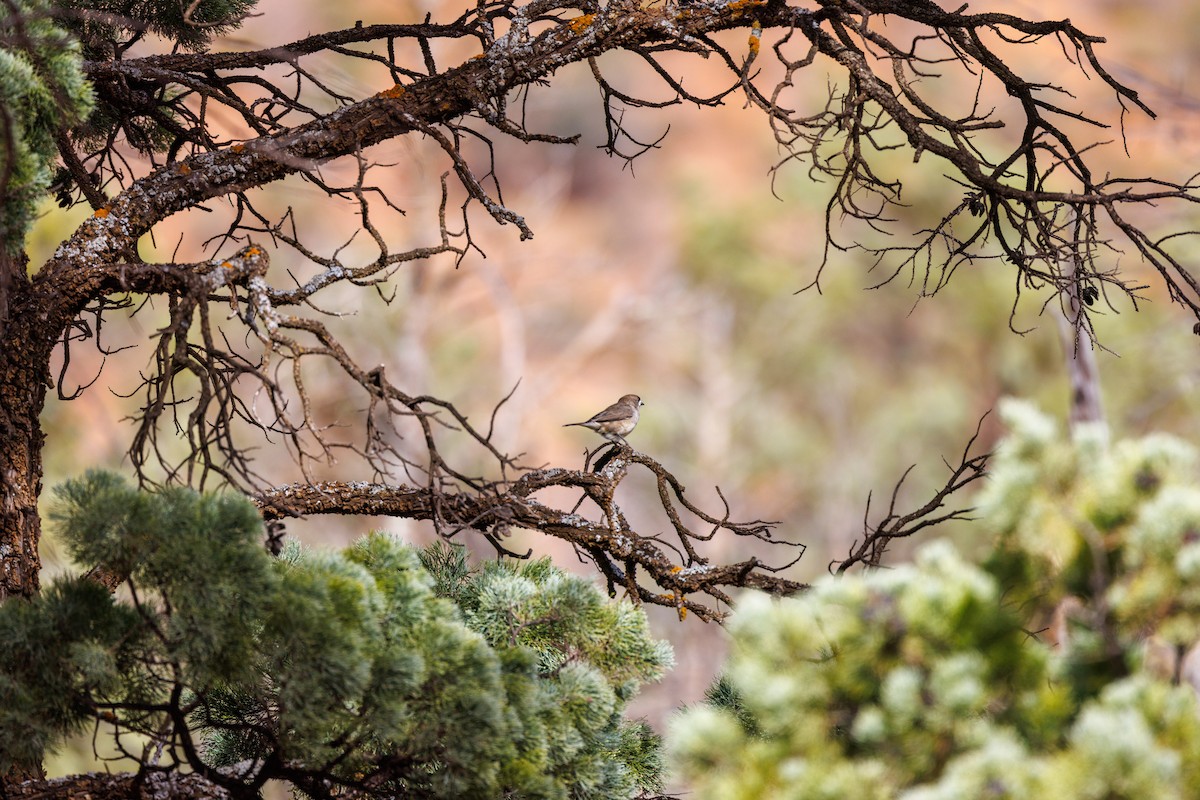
[380, 670]
[42, 89]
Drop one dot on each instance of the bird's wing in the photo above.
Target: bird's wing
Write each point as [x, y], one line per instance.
[614, 412]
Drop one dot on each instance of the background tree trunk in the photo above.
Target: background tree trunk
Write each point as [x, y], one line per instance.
[1077, 335]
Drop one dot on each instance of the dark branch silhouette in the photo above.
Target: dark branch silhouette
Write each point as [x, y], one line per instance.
[871, 548]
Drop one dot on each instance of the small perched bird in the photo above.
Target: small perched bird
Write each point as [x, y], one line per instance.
[617, 421]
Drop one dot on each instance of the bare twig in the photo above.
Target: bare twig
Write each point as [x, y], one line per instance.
[869, 551]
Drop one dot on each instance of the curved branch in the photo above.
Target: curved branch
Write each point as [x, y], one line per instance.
[609, 540]
[870, 550]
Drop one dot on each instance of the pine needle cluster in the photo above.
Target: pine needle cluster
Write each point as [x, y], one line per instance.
[42, 90]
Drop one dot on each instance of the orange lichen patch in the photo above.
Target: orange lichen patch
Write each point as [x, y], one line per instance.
[476, 58]
[101, 212]
[676, 570]
[393, 93]
[237, 148]
[682, 613]
[581, 24]
[739, 7]
[253, 251]
[184, 169]
[226, 265]
[755, 43]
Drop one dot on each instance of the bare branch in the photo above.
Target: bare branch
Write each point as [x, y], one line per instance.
[870, 550]
[495, 508]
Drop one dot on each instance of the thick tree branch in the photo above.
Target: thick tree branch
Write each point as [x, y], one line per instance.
[119, 786]
[497, 508]
[513, 60]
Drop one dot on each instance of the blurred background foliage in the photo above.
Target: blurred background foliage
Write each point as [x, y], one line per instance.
[677, 279]
[1052, 670]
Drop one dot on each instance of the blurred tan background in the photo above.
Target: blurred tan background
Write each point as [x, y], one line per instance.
[677, 280]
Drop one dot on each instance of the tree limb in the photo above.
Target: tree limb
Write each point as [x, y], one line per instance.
[119, 786]
[498, 507]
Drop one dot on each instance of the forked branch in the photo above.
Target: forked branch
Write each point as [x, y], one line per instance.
[871, 548]
[650, 568]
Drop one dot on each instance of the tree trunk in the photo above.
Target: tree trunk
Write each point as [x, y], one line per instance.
[27, 337]
[1086, 405]
[21, 439]
[26, 340]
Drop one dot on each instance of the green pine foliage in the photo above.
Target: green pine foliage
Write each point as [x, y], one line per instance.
[143, 113]
[108, 26]
[72, 644]
[590, 653]
[922, 683]
[390, 670]
[42, 91]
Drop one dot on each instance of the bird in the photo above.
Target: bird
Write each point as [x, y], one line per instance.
[617, 421]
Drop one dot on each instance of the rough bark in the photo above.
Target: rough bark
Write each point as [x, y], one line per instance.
[24, 374]
[620, 551]
[122, 786]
